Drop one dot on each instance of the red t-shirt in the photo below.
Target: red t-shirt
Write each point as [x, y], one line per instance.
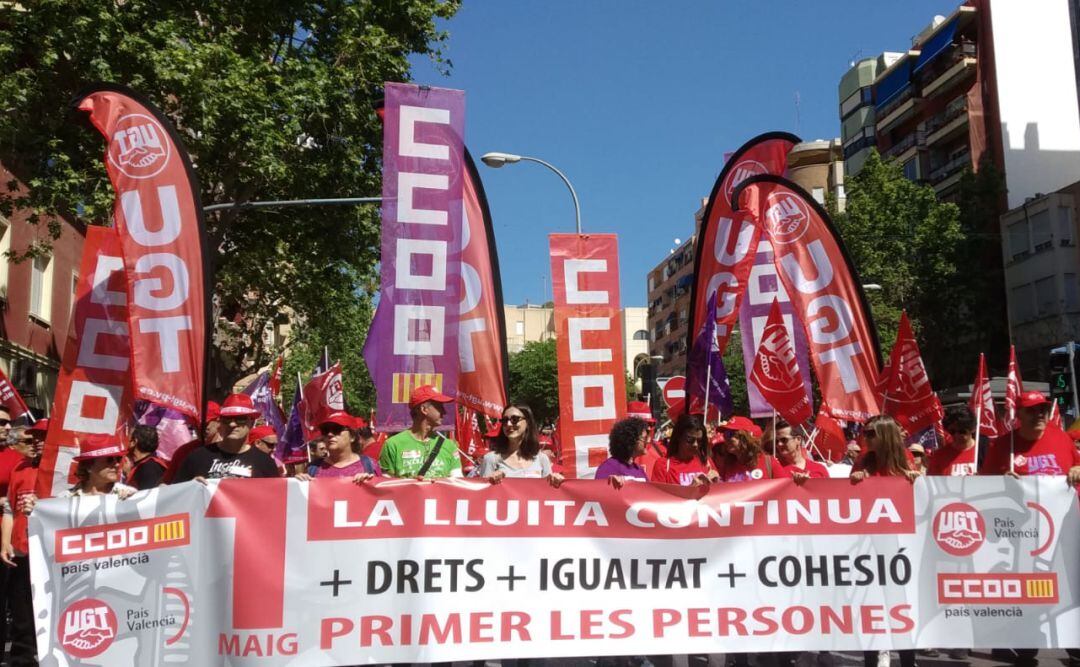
[813, 468]
[1052, 454]
[652, 457]
[732, 470]
[23, 479]
[949, 462]
[860, 465]
[9, 458]
[673, 471]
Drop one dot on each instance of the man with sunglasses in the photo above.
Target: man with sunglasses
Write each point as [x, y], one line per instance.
[232, 456]
[420, 452]
[1036, 446]
[792, 453]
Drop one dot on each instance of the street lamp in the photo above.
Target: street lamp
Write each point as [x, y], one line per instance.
[496, 160]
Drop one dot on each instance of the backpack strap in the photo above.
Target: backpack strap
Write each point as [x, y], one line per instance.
[439, 440]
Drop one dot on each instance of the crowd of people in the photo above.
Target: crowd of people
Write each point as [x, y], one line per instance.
[689, 450]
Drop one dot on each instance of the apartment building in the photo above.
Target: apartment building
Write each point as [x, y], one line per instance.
[668, 290]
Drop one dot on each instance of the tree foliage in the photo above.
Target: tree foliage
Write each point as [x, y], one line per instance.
[923, 254]
[534, 379]
[274, 100]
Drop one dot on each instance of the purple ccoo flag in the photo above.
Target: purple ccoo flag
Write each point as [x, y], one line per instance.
[263, 398]
[706, 369]
[292, 439]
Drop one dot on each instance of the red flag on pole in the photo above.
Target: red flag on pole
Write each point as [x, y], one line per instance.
[275, 378]
[323, 394]
[982, 401]
[776, 371]
[831, 441]
[1014, 386]
[10, 398]
[909, 398]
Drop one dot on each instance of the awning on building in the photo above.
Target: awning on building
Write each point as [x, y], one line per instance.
[895, 83]
[937, 44]
[685, 281]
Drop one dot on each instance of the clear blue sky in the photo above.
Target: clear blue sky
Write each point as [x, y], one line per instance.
[637, 102]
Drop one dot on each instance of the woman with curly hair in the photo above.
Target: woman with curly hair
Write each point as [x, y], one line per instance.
[625, 443]
[515, 451]
[687, 462]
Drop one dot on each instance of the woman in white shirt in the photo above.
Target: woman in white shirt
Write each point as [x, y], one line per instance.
[515, 451]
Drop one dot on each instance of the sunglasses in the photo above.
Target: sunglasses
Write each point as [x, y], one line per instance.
[512, 420]
[5, 422]
[783, 440]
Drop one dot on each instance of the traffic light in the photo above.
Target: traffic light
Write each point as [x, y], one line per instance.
[1062, 379]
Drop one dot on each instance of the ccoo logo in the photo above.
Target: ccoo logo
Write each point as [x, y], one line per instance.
[87, 628]
[959, 529]
[787, 218]
[139, 147]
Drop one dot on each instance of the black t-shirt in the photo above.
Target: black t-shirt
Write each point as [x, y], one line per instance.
[147, 473]
[212, 463]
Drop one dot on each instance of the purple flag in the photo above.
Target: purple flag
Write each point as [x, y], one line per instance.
[263, 398]
[171, 425]
[413, 339]
[762, 288]
[291, 440]
[706, 367]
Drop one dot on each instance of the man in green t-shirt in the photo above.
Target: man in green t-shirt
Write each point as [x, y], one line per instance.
[407, 453]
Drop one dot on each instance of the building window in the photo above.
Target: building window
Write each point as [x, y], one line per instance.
[1072, 293]
[911, 169]
[641, 334]
[1022, 303]
[819, 195]
[1046, 296]
[1065, 226]
[1019, 244]
[1041, 236]
[519, 327]
[41, 288]
[74, 294]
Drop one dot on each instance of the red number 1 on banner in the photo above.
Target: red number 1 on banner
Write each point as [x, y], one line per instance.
[259, 507]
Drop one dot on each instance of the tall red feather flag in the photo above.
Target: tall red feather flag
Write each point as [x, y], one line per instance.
[982, 401]
[1014, 386]
[776, 371]
[909, 397]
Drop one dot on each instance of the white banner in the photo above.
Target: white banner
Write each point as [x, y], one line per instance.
[280, 572]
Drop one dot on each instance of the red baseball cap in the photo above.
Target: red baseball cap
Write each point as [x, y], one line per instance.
[260, 432]
[98, 446]
[40, 426]
[740, 423]
[342, 418]
[213, 411]
[639, 409]
[1030, 399]
[238, 405]
[425, 393]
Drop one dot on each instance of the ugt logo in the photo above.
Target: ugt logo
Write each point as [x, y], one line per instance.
[787, 218]
[87, 628]
[740, 173]
[778, 360]
[959, 529]
[139, 147]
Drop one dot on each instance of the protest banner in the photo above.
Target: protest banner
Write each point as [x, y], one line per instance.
[277, 572]
[413, 340]
[588, 347]
[93, 389]
[159, 218]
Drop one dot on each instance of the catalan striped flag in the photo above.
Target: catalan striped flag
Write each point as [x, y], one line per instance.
[405, 383]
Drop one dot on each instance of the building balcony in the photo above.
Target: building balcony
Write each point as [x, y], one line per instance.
[957, 164]
[897, 112]
[952, 128]
[960, 67]
[904, 150]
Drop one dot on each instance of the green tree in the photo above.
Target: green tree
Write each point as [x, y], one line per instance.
[901, 237]
[274, 100]
[534, 379]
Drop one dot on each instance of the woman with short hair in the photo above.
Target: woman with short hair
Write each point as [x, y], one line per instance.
[344, 457]
[626, 441]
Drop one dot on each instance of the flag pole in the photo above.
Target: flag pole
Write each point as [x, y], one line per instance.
[978, 419]
[708, 384]
[774, 433]
[300, 388]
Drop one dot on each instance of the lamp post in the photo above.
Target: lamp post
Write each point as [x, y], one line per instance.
[646, 387]
[496, 160]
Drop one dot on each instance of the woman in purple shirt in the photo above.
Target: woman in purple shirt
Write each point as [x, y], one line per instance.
[343, 457]
[625, 442]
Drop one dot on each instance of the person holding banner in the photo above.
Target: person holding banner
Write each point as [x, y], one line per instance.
[741, 456]
[687, 462]
[626, 441]
[232, 457]
[420, 452]
[15, 549]
[793, 455]
[955, 458]
[886, 455]
[515, 451]
[97, 468]
[1035, 447]
[344, 457]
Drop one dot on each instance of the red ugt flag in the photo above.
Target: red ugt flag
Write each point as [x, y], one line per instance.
[1014, 386]
[831, 441]
[982, 401]
[776, 371]
[10, 398]
[323, 394]
[909, 397]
